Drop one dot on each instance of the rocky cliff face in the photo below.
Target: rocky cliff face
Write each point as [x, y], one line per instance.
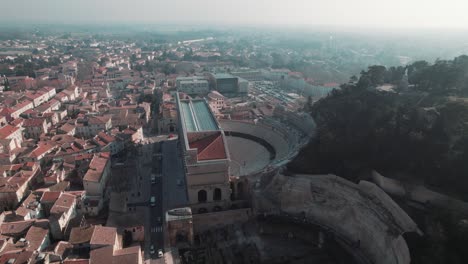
[361, 216]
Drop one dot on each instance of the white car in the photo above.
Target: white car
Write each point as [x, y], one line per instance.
[153, 201]
[160, 253]
[152, 249]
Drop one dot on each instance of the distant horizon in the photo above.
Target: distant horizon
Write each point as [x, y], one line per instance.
[361, 14]
[230, 26]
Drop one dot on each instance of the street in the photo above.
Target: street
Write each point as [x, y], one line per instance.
[155, 230]
[159, 186]
[173, 172]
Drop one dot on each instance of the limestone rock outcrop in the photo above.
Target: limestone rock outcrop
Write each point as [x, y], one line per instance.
[361, 215]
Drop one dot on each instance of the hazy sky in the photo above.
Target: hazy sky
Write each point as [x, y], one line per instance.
[373, 13]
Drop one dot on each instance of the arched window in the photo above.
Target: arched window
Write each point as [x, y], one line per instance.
[217, 194]
[202, 196]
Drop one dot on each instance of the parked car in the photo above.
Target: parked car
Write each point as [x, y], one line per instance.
[160, 253]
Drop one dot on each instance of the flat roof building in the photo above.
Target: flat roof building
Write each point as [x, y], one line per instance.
[194, 85]
[229, 84]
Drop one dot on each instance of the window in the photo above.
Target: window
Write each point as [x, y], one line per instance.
[202, 196]
[217, 194]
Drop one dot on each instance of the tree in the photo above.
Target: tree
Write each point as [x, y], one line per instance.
[6, 83]
[103, 61]
[133, 58]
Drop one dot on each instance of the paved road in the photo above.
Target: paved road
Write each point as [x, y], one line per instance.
[173, 172]
[163, 159]
[147, 164]
[155, 230]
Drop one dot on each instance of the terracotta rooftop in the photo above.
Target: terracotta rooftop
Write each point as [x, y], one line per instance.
[101, 255]
[17, 122]
[42, 148]
[15, 228]
[80, 235]
[36, 236]
[33, 122]
[7, 130]
[103, 235]
[210, 147]
[129, 255]
[50, 196]
[96, 168]
[13, 183]
[63, 204]
[105, 137]
[62, 247]
[21, 256]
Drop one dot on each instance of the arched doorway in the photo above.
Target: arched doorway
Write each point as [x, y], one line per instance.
[240, 191]
[233, 193]
[217, 194]
[202, 196]
[181, 236]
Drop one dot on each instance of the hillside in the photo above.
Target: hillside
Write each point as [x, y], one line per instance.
[410, 124]
[416, 132]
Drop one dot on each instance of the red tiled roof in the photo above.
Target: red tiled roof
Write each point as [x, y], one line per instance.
[101, 255]
[33, 122]
[80, 235]
[7, 111]
[105, 137]
[127, 256]
[16, 227]
[50, 196]
[17, 122]
[63, 204]
[41, 149]
[62, 247]
[36, 236]
[7, 130]
[19, 256]
[12, 184]
[96, 168]
[103, 235]
[210, 147]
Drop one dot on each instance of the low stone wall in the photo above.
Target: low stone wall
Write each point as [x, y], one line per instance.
[204, 222]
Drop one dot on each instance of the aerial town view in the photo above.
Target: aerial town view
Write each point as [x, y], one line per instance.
[231, 132]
